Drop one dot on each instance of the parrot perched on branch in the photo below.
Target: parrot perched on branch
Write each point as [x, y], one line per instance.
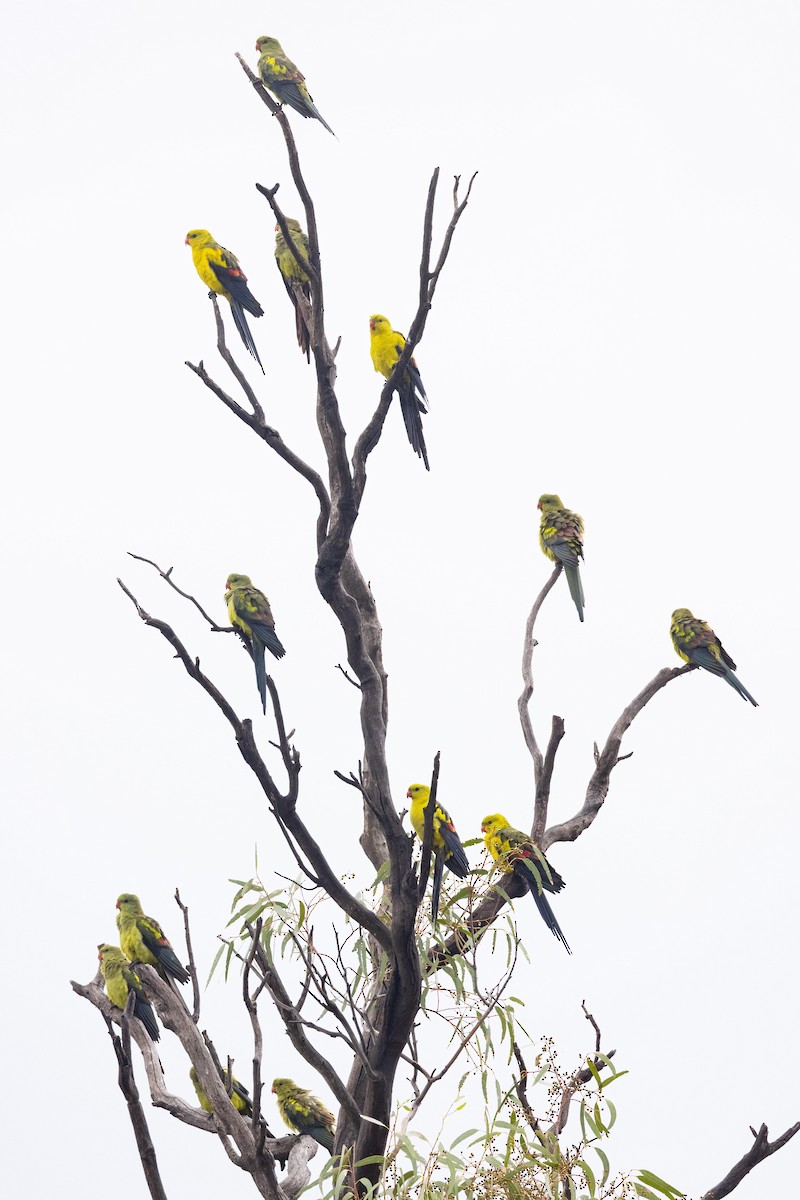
[220, 271]
[249, 611]
[294, 277]
[240, 1097]
[561, 539]
[304, 1113]
[695, 642]
[447, 849]
[515, 853]
[121, 979]
[386, 346]
[143, 940]
[281, 76]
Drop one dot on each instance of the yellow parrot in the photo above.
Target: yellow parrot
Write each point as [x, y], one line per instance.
[447, 849]
[220, 271]
[515, 853]
[385, 347]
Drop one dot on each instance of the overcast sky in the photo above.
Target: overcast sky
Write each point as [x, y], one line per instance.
[617, 323]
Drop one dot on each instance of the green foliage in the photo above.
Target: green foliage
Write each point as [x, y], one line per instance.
[519, 1149]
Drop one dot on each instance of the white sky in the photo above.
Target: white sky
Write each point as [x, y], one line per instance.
[617, 323]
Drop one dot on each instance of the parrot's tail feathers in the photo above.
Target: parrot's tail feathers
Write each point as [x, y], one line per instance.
[240, 320]
[261, 671]
[573, 575]
[302, 103]
[316, 113]
[549, 918]
[303, 337]
[736, 683]
[144, 1012]
[438, 870]
[409, 406]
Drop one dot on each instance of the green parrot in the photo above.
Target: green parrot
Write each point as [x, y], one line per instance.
[695, 642]
[249, 611]
[240, 1097]
[294, 277]
[121, 979]
[304, 1113]
[561, 539]
[516, 853]
[143, 940]
[282, 77]
[446, 844]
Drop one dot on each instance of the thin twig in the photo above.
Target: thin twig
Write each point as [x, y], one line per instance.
[167, 576]
[348, 676]
[191, 964]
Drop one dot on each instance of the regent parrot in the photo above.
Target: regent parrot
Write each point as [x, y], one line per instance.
[447, 849]
[249, 611]
[304, 1113]
[281, 76]
[385, 347]
[220, 271]
[294, 277]
[561, 539]
[515, 853]
[240, 1097]
[695, 641]
[121, 979]
[143, 940]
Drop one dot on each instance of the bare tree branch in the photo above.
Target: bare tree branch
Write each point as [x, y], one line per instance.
[370, 436]
[275, 442]
[227, 357]
[283, 805]
[427, 840]
[127, 1085]
[761, 1149]
[607, 759]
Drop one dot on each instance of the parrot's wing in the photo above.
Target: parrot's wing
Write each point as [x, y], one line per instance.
[564, 552]
[702, 657]
[158, 945]
[416, 379]
[455, 855]
[234, 280]
[726, 658]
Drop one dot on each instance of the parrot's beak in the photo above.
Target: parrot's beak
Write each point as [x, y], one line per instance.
[186, 241]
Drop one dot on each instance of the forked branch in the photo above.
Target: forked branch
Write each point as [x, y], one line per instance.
[760, 1150]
